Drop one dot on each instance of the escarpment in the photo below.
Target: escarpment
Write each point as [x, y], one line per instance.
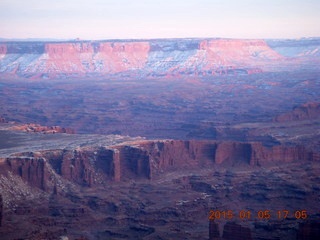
[147, 57]
[142, 160]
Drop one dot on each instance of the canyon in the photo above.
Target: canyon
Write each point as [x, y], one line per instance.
[54, 184]
[142, 139]
[143, 160]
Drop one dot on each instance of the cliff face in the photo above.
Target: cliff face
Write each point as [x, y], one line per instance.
[31, 169]
[155, 57]
[142, 159]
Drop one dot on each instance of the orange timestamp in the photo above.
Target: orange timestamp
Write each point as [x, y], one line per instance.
[260, 214]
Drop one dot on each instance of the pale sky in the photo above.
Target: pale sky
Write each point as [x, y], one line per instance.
[138, 19]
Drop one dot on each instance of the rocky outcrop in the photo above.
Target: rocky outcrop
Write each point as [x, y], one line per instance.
[175, 153]
[152, 57]
[30, 169]
[261, 155]
[308, 111]
[142, 159]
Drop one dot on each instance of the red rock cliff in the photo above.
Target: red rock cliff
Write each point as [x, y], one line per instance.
[31, 170]
[68, 57]
[143, 159]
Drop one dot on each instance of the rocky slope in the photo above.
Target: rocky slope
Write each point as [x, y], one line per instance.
[149, 57]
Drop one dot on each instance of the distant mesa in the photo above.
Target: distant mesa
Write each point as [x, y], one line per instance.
[150, 57]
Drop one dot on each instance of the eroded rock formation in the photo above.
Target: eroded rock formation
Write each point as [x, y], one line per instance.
[142, 159]
[31, 169]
